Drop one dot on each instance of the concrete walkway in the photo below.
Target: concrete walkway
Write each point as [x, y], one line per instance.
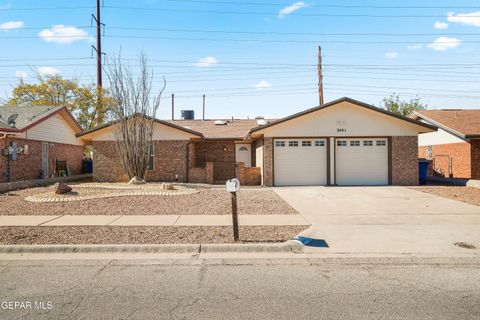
[151, 220]
[384, 219]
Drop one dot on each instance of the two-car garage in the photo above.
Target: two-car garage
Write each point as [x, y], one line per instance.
[356, 161]
[344, 142]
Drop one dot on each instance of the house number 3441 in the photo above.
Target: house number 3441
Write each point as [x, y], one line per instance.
[341, 130]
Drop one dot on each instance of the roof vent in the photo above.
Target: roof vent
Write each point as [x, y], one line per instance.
[258, 117]
[12, 120]
[262, 122]
[220, 122]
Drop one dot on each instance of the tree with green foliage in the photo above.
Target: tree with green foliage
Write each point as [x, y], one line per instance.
[402, 107]
[53, 90]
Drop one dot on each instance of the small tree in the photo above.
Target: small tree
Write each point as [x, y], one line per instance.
[402, 107]
[53, 90]
[134, 109]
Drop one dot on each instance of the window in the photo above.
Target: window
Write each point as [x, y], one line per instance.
[319, 143]
[306, 143]
[367, 143]
[243, 149]
[341, 143]
[381, 143]
[279, 143]
[354, 143]
[293, 143]
[151, 158]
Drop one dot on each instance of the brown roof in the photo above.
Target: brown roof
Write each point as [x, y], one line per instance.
[463, 121]
[233, 129]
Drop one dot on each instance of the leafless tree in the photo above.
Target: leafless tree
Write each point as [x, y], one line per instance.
[135, 108]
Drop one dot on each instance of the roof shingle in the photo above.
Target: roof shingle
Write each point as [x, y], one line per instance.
[233, 129]
[464, 121]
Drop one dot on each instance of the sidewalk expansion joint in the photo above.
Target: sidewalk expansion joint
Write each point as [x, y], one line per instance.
[38, 225]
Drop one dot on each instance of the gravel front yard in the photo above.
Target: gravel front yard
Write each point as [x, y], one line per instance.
[207, 201]
[143, 235]
[469, 195]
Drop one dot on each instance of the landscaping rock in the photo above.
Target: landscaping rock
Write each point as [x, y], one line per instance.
[168, 186]
[136, 180]
[62, 188]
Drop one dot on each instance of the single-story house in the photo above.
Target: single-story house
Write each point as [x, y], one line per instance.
[455, 148]
[344, 142]
[38, 142]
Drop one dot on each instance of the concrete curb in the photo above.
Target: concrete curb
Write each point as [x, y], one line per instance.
[288, 246]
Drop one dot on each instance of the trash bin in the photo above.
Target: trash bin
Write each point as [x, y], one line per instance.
[88, 166]
[422, 171]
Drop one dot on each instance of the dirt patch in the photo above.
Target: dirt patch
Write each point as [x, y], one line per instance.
[143, 235]
[207, 201]
[469, 195]
[465, 245]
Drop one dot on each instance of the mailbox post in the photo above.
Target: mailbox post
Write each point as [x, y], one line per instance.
[233, 186]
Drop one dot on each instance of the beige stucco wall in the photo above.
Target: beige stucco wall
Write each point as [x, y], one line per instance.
[161, 132]
[54, 129]
[344, 120]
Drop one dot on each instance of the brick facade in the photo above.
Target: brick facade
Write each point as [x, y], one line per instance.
[249, 176]
[201, 174]
[463, 158]
[404, 160]
[170, 162]
[221, 153]
[268, 162]
[29, 166]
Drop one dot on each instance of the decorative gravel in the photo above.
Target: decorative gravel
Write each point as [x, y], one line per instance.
[469, 195]
[205, 201]
[143, 235]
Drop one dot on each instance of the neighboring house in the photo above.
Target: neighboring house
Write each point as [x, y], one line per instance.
[455, 148]
[344, 142]
[37, 142]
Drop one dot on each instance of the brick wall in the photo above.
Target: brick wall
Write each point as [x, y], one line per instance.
[268, 162]
[201, 174]
[221, 153]
[170, 160]
[248, 176]
[404, 160]
[475, 159]
[3, 162]
[459, 154]
[29, 166]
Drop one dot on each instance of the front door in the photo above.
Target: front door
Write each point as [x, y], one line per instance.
[243, 153]
[45, 148]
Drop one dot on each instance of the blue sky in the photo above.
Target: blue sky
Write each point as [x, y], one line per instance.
[257, 57]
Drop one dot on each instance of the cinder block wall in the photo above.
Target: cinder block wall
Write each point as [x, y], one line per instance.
[462, 155]
[28, 166]
[404, 160]
[170, 160]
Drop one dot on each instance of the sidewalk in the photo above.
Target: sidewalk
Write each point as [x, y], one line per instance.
[151, 220]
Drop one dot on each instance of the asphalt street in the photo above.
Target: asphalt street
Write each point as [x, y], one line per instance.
[327, 289]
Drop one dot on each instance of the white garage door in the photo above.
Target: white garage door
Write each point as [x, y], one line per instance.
[300, 162]
[361, 162]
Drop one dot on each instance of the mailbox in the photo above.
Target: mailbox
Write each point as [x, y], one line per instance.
[233, 185]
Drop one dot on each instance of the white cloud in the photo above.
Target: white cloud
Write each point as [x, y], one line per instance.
[263, 85]
[5, 6]
[11, 25]
[21, 74]
[63, 34]
[206, 62]
[291, 8]
[48, 71]
[444, 43]
[415, 46]
[470, 19]
[391, 55]
[440, 25]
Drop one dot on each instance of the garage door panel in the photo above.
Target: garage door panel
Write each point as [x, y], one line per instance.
[302, 164]
[361, 161]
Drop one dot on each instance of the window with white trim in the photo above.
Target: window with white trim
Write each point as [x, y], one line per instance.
[306, 143]
[355, 143]
[319, 143]
[279, 143]
[367, 143]
[341, 143]
[380, 143]
[293, 143]
[151, 157]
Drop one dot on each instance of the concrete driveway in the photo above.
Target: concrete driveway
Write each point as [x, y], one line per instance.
[385, 220]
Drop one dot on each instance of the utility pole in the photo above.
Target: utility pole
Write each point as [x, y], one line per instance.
[320, 77]
[98, 50]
